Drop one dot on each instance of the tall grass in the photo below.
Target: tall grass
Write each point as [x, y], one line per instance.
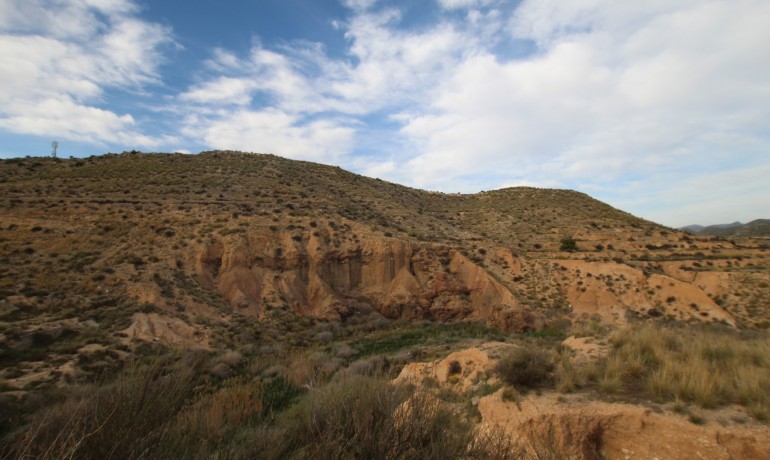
[709, 368]
[212, 423]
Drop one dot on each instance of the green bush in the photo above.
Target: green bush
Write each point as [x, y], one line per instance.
[568, 244]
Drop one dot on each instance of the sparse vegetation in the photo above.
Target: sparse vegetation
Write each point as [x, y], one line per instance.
[364, 417]
[112, 266]
[150, 412]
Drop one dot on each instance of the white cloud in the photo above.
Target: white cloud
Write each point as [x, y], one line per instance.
[62, 56]
[387, 68]
[271, 131]
[359, 5]
[378, 169]
[69, 120]
[458, 4]
[398, 65]
[614, 90]
[129, 54]
[223, 90]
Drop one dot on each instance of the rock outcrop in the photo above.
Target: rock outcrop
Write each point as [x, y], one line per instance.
[573, 427]
[553, 425]
[312, 275]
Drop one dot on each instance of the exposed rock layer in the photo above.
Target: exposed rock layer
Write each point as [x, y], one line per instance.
[400, 279]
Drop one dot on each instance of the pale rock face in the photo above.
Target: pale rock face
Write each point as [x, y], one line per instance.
[400, 279]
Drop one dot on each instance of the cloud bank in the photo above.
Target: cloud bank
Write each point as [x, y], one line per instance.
[660, 108]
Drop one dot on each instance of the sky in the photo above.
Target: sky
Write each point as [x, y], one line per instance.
[660, 107]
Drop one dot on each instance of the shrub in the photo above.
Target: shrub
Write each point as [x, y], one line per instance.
[568, 244]
[525, 367]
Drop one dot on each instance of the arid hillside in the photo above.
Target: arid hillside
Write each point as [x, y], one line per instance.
[159, 247]
[263, 263]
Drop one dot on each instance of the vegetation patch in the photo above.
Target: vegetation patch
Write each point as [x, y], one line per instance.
[709, 367]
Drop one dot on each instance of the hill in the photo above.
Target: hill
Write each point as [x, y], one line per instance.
[247, 257]
[125, 240]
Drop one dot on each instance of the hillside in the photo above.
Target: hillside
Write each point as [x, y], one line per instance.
[118, 239]
[239, 254]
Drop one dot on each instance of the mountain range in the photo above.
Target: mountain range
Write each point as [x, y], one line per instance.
[755, 228]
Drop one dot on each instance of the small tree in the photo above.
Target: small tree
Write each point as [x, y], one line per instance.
[568, 244]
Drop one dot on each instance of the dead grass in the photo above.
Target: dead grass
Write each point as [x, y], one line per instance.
[211, 421]
[709, 368]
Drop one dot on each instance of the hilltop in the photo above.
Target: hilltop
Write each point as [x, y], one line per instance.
[240, 255]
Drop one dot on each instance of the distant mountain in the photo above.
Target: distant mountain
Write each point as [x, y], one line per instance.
[759, 227]
[693, 228]
[735, 224]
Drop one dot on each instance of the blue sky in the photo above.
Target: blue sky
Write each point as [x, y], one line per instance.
[659, 108]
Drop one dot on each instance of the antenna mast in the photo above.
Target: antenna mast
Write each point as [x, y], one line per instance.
[54, 145]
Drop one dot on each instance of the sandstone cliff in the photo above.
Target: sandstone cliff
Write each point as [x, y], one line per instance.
[418, 281]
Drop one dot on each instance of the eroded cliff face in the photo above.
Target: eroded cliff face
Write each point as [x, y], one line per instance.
[319, 272]
[314, 273]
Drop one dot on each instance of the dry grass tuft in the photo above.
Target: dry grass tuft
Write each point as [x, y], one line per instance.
[707, 367]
